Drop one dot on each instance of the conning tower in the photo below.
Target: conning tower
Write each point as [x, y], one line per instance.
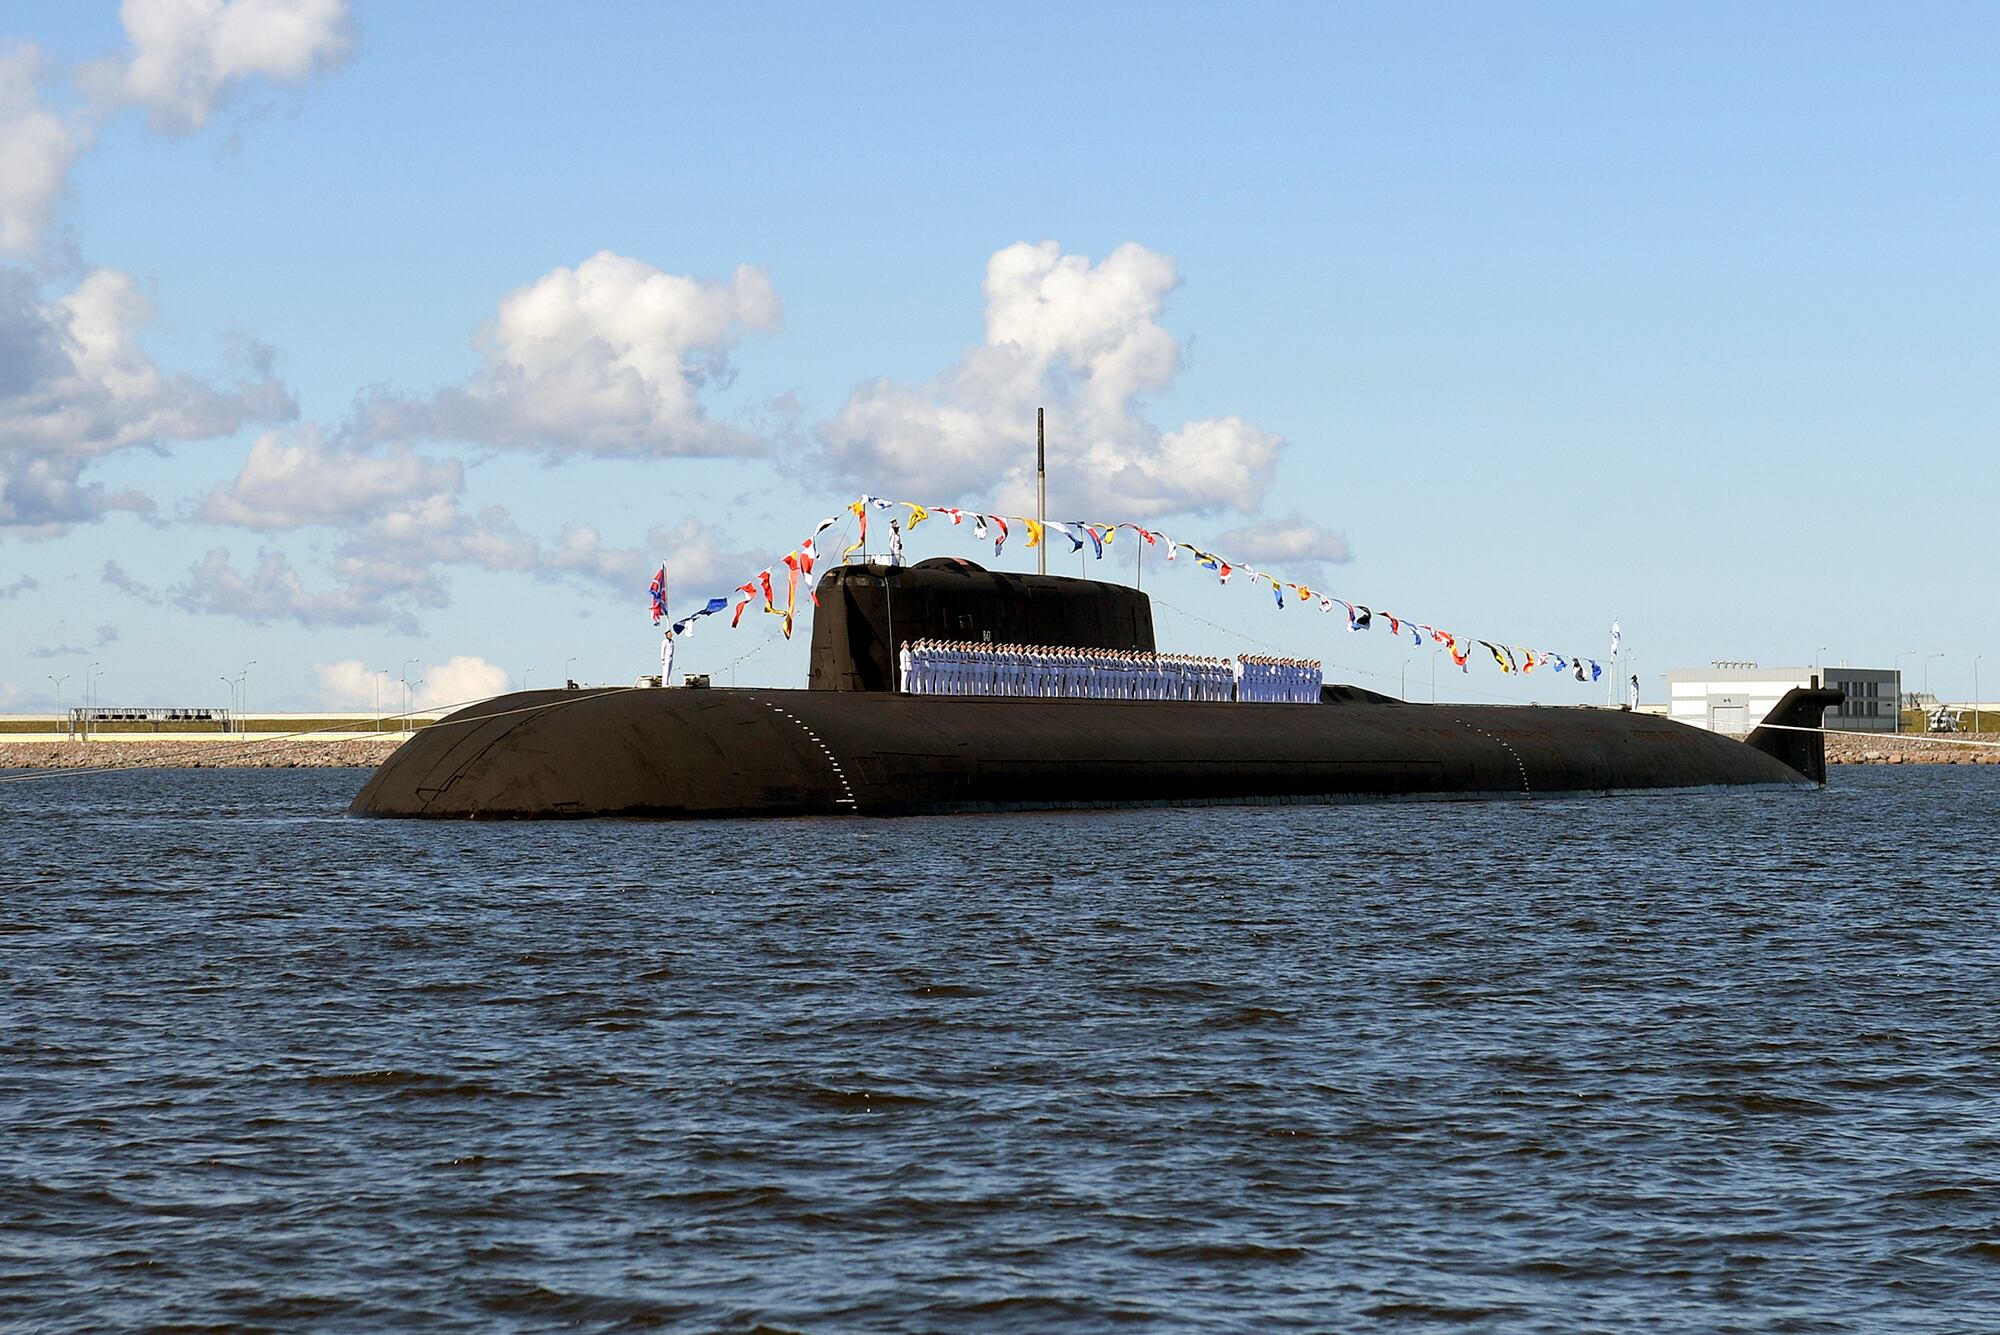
[866, 611]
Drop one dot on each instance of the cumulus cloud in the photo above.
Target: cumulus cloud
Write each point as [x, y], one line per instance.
[184, 55]
[400, 516]
[59, 651]
[348, 684]
[1085, 340]
[608, 358]
[75, 385]
[297, 480]
[37, 149]
[698, 557]
[20, 586]
[402, 525]
[273, 591]
[1294, 541]
[115, 575]
[181, 59]
[459, 680]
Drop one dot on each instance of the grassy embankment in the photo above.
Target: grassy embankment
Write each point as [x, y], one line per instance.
[1917, 723]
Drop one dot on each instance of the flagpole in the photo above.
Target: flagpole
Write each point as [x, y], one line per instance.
[1041, 492]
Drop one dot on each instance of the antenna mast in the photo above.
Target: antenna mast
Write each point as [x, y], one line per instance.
[1041, 492]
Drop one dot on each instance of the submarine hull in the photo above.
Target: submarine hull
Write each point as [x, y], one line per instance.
[716, 753]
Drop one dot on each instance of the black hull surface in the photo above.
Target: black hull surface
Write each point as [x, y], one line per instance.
[710, 753]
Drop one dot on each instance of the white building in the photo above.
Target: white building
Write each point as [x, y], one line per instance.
[1734, 697]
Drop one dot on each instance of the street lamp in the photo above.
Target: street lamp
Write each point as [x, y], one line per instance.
[231, 684]
[1976, 729]
[58, 684]
[1816, 653]
[1927, 671]
[1907, 653]
[525, 674]
[380, 675]
[567, 679]
[403, 676]
[89, 693]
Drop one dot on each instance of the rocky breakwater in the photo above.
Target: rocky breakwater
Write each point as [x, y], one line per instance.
[298, 753]
[1910, 749]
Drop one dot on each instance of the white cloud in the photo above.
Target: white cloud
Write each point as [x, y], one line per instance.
[274, 591]
[37, 149]
[185, 54]
[1294, 540]
[608, 358]
[698, 560]
[460, 681]
[75, 385]
[402, 525]
[351, 684]
[1084, 340]
[399, 514]
[301, 480]
[348, 684]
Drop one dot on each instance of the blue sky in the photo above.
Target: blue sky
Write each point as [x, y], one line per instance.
[1539, 316]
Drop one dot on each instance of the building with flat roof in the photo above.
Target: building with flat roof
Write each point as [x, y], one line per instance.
[1734, 697]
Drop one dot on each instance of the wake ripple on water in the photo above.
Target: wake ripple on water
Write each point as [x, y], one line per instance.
[1712, 1062]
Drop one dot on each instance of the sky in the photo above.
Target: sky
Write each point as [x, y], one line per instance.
[349, 342]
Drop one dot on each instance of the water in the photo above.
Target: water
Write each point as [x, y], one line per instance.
[1725, 1062]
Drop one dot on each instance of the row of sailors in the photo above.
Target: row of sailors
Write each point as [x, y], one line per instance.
[964, 667]
[1285, 681]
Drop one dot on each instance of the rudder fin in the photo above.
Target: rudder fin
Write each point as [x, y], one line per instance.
[1796, 739]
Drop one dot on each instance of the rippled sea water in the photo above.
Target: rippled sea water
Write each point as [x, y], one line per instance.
[1711, 1062]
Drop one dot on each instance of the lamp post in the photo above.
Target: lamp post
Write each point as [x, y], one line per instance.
[1927, 677]
[58, 681]
[1907, 653]
[1976, 729]
[228, 715]
[1816, 653]
[525, 674]
[567, 679]
[403, 676]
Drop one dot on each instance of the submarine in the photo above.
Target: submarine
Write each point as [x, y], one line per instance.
[851, 743]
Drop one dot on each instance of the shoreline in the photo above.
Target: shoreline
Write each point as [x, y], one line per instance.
[369, 752]
[1908, 749]
[183, 753]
